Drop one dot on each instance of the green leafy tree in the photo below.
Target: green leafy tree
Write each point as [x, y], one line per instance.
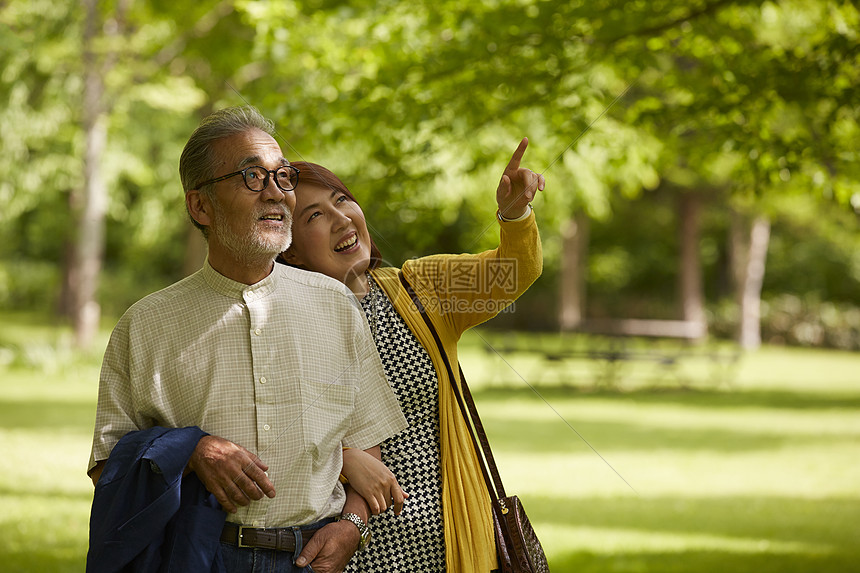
[756, 99]
[418, 105]
[99, 100]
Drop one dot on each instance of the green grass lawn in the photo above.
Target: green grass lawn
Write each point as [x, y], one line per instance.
[761, 474]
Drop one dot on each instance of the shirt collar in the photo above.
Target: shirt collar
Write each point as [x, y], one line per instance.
[233, 289]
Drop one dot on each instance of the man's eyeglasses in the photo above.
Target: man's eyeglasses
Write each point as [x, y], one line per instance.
[257, 178]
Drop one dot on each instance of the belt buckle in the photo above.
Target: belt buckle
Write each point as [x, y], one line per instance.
[242, 529]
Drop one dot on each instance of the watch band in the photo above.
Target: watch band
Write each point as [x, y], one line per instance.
[363, 529]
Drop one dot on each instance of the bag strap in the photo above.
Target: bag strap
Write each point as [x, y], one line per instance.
[482, 435]
[487, 460]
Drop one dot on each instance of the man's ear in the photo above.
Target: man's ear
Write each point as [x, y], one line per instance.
[289, 257]
[199, 207]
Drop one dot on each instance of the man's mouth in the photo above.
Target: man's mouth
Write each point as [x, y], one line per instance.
[272, 217]
[346, 244]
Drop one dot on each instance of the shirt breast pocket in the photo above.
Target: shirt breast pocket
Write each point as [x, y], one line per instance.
[328, 410]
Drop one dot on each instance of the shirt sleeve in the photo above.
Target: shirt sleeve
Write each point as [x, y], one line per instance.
[377, 414]
[114, 410]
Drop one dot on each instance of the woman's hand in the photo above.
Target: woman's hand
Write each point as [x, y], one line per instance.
[373, 481]
[518, 185]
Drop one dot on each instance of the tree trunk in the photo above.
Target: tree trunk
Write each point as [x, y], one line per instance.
[690, 273]
[749, 249]
[89, 212]
[573, 264]
[89, 205]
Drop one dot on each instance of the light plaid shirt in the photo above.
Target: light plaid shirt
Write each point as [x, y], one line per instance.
[286, 368]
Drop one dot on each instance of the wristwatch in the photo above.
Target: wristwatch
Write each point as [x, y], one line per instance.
[363, 529]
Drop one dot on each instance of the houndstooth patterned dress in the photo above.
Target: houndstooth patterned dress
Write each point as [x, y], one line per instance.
[413, 542]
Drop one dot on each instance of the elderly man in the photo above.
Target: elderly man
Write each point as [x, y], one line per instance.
[274, 365]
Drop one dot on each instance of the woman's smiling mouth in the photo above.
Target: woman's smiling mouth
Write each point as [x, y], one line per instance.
[347, 243]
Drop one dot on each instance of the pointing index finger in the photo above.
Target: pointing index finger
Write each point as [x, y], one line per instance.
[514, 163]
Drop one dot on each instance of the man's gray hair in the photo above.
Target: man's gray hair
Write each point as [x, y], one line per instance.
[197, 162]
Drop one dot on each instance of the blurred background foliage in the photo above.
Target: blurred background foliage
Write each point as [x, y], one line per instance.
[750, 108]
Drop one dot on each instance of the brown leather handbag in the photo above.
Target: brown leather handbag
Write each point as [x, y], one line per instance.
[517, 545]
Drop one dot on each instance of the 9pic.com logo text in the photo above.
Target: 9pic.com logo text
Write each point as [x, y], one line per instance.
[465, 305]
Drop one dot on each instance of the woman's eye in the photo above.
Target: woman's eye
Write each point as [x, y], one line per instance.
[313, 216]
[342, 198]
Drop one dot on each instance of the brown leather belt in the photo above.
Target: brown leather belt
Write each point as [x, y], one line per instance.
[277, 538]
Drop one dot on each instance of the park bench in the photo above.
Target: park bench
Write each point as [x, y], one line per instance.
[658, 353]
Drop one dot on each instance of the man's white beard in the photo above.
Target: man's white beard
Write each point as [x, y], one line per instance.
[253, 245]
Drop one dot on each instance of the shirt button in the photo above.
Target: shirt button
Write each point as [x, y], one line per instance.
[266, 427]
[263, 380]
[258, 332]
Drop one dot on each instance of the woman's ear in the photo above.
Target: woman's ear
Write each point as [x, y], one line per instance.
[199, 207]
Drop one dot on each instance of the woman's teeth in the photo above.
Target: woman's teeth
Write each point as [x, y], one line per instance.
[343, 245]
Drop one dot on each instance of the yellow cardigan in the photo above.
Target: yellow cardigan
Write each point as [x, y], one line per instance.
[458, 292]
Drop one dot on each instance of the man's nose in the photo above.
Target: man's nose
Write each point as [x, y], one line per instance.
[274, 193]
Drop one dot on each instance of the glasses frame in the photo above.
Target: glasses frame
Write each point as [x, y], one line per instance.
[269, 176]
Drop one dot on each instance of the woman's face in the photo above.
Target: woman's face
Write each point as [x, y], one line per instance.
[329, 234]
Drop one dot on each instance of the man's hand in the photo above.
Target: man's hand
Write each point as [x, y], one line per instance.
[231, 473]
[96, 472]
[518, 185]
[331, 547]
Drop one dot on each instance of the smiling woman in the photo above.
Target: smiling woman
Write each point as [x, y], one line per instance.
[446, 523]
